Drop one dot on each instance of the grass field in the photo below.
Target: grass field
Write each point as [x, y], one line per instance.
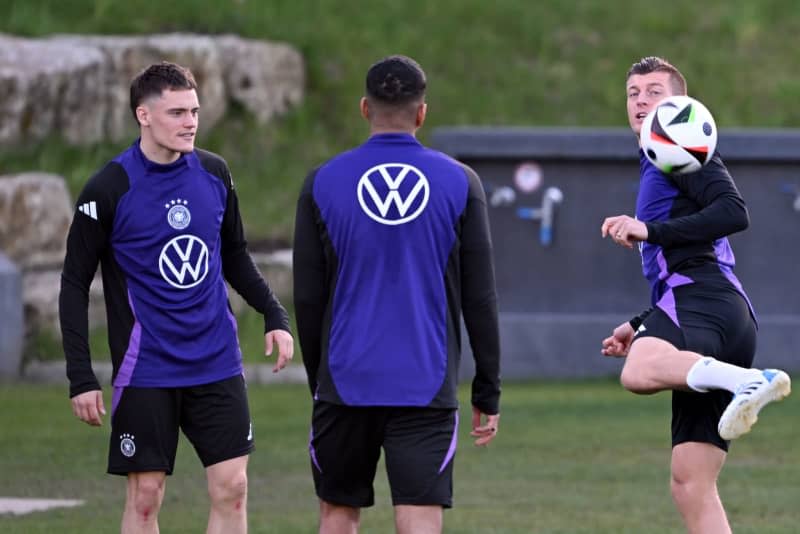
[571, 458]
[580, 457]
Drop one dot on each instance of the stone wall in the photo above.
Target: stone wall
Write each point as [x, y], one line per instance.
[77, 87]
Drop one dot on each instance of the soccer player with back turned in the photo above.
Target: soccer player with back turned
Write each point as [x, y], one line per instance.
[162, 218]
[391, 246]
[699, 337]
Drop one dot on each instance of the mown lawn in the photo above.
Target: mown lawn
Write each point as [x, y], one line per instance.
[571, 457]
[580, 457]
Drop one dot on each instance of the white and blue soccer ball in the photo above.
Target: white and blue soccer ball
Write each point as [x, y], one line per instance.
[679, 136]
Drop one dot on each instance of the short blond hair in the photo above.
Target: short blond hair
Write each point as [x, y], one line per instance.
[649, 64]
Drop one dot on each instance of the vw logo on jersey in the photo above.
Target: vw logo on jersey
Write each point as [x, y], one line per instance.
[183, 261]
[393, 193]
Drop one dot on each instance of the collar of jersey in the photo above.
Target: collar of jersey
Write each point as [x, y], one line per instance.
[400, 138]
[163, 168]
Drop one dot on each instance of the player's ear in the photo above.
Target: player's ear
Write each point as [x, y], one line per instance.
[364, 105]
[143, 115]
[422, 111]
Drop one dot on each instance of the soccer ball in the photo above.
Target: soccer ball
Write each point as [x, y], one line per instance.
[679, 136]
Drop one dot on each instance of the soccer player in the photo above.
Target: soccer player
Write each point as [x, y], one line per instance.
[391, 246]
[162, 218]
[699, 337]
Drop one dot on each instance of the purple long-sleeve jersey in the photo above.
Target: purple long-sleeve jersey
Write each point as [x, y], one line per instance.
[167, 237]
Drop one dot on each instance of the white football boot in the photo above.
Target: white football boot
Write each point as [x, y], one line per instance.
[742, 413]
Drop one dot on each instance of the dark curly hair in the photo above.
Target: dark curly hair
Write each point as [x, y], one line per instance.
[396, 80]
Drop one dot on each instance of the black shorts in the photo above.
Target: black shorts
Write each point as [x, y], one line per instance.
[418, 443]
[144, 425]
[714, 320]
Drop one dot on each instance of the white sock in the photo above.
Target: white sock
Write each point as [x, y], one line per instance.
[709, 373]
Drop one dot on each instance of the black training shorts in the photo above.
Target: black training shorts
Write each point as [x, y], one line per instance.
[418, 443]
[145, 422]
[714, 320]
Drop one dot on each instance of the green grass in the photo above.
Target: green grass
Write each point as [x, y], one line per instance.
[570, 458]
[506, 62]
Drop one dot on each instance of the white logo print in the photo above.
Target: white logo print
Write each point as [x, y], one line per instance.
[402, 172]
[250, 433]
[89, 208]
[126, 445]
[191, 254]
[178, 215]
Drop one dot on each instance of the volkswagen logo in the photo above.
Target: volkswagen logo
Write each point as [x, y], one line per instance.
[393, 193]
[183, 261]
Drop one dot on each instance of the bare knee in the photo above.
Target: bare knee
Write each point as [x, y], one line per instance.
[230, 490]
[145, 494]
[649, 367]
[692, 491]
[682, 489]
[334, 518]
[418, 519]
[635, 379]
[694, 471]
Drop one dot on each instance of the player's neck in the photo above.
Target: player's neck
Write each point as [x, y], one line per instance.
[157, 153]
[375, 130]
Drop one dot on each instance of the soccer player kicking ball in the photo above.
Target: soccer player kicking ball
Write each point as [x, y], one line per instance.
[699, 337]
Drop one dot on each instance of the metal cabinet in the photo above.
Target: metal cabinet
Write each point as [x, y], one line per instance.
[562, 288]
